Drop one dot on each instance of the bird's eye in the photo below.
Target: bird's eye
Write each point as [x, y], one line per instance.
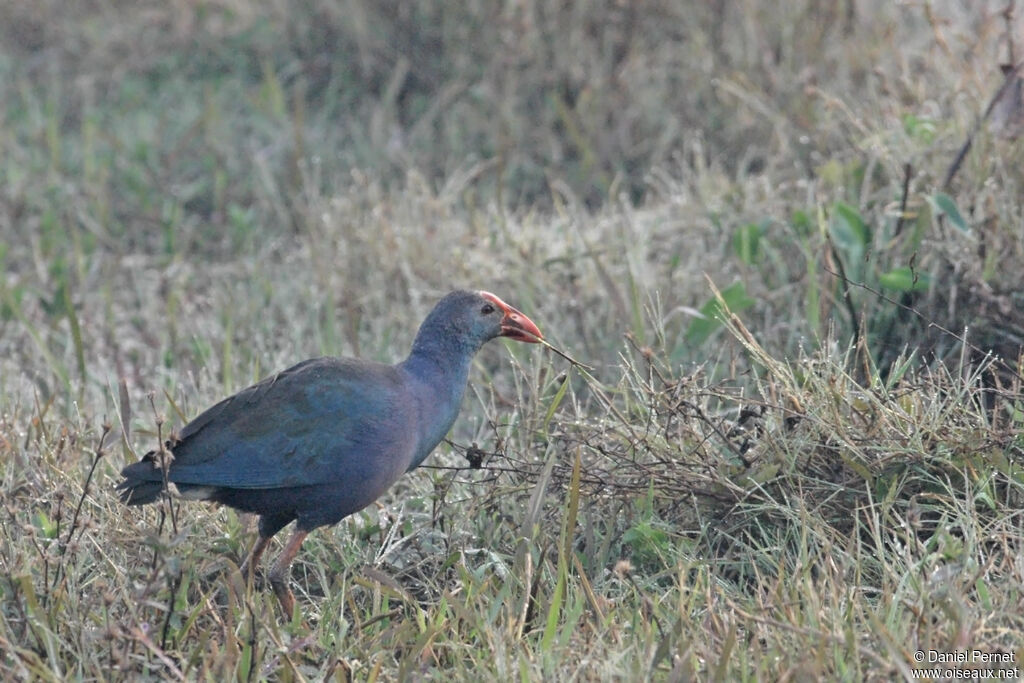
[487, 309]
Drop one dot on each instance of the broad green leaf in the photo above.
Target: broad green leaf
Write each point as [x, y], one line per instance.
[904, 279]
[944, 204]
[736, 300]
[848, 230]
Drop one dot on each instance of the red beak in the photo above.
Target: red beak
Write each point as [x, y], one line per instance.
[514, 325]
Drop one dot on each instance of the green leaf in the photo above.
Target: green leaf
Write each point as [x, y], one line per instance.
[905, 279]
[763, 474]
[919, 128]
[46, 526]
[983, 594]
[736, 300]
[557, 600]
[944, 204]
[899, 369]
[646, 541]
[746, 241]
[801, 222]
[559, 395]
[848, 230]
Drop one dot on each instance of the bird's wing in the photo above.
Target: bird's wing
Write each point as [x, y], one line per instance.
[322, 421]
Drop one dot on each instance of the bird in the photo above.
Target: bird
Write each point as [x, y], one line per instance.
[324, 438]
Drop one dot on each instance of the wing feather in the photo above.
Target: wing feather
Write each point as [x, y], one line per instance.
[324, 420]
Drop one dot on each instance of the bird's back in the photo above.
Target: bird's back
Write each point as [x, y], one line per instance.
[326, 422]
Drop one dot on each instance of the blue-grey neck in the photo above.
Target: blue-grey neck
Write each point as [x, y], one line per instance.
[438, 366]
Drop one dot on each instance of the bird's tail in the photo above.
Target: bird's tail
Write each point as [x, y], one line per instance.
[143, 482]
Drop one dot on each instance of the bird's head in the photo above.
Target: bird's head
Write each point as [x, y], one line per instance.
[469, 319]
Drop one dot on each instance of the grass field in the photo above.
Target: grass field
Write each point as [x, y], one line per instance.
[797, 454]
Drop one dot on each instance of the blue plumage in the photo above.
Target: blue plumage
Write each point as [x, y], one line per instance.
[326, 437]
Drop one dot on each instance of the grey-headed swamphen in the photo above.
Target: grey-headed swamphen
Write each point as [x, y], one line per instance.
[325, 438]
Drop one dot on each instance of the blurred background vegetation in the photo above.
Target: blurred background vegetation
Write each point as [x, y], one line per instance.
[194, 194]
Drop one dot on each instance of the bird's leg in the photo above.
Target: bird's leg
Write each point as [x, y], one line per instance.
[249, 566]
[281, 570]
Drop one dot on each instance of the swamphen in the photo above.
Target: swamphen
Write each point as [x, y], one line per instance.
[324, 438]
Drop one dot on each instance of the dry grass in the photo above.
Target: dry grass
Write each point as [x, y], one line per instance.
[195, 195]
